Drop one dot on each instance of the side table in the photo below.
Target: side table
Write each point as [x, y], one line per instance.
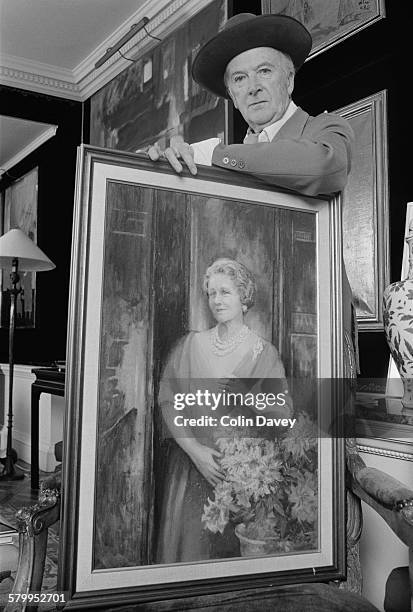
[48, 380]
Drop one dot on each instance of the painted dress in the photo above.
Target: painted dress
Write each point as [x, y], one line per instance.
[252, 367]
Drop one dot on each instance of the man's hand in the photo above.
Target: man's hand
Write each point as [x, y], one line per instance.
[179, 150]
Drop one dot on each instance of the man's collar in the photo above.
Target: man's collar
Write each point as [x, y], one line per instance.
[271, 130]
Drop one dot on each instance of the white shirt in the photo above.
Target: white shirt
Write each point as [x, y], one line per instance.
[268, 133]
[203, 150]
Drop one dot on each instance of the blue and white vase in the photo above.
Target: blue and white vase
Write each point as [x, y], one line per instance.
[398, 325]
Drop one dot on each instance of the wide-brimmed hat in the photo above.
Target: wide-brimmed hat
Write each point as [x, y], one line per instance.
[247, 31]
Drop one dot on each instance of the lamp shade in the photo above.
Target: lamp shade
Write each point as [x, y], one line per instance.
[16, 244]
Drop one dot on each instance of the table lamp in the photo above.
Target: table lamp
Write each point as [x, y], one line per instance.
[17, 253]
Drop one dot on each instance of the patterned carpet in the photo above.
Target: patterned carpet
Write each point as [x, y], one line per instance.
[7, 515]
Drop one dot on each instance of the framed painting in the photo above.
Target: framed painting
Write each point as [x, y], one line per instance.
[202, 311]
[328, 22]
[366, 209]
[155, 99]
[19, 209]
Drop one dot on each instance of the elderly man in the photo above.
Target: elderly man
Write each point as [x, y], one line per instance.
[253, 62]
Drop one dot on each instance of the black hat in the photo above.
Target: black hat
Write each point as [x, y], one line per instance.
[247, 31]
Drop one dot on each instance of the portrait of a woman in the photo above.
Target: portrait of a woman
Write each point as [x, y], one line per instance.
[229, 355]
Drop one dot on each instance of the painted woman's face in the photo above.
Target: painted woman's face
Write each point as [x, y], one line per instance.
[224, 299]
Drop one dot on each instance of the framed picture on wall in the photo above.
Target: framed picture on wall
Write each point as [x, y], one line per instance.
[366, 209]
[19, 209]
[155, 99]
[328, 22]
[163, 267]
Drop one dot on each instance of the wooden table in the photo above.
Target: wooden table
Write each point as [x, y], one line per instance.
[48, 380]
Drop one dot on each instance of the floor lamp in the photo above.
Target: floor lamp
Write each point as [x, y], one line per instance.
[17, 253]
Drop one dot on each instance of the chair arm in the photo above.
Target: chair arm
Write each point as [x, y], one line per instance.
[389, 497]
[33, 523]
[51, 483]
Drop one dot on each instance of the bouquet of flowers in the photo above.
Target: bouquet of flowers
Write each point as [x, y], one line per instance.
[270, 486]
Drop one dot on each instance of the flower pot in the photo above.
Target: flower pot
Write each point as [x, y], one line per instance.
[398, 325]
[253, 548]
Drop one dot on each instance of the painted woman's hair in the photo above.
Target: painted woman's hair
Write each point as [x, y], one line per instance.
[239, 274]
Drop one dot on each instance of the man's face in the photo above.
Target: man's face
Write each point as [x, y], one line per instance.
[260, 82]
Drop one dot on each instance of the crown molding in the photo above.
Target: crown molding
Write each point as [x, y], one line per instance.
[164, 17]
[82, 82]
[32, 146]
[36, 76]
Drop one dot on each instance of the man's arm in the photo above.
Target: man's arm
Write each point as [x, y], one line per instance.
[316, 163]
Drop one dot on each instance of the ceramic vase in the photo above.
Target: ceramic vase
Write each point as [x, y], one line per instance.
[398, 325]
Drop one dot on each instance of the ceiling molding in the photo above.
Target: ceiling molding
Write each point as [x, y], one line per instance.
[35, 76]
[29, 148]
[82, 82]
[164, 16]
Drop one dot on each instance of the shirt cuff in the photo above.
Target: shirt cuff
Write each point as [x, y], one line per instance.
[203, 150]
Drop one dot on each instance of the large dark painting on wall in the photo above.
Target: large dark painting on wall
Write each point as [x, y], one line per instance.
[156, 99]
[162, 265]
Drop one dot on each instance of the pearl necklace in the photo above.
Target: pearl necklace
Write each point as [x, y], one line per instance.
[225, 347]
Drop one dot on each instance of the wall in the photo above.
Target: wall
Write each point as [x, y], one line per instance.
[56, 160]
[51, 414]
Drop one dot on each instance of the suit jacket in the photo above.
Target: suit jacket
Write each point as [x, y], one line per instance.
[311, 155]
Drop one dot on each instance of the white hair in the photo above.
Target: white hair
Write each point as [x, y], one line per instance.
[240, 275]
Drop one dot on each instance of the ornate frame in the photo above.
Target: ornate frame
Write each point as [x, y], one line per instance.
[366, 210]
[87, 585]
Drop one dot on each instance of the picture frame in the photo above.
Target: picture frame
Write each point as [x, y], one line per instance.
[141, 240]
[18, 208]
[329, 23]
[366, 209]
